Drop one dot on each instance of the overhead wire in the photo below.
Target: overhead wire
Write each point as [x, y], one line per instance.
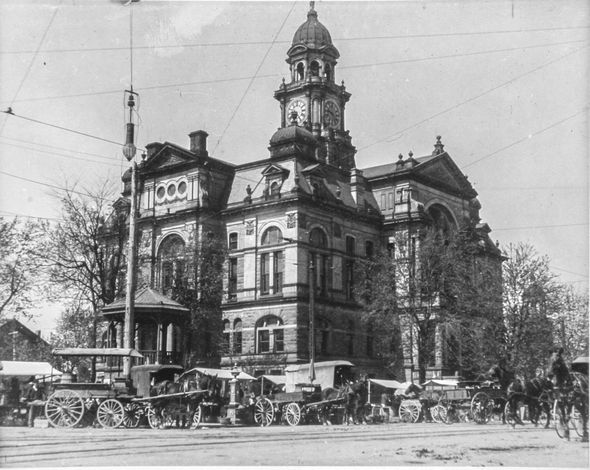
[524, 139]
[26, 75]
[473, 98]
[261, 43]
[274, 75]
[253, 78]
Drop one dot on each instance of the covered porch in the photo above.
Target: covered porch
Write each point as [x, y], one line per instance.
[159, 322]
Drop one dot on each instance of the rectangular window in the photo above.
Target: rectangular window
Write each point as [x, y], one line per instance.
[383, 201]
[238, 342]
[233, 277]
[263, 341]
[349, 268]
[278, 269]
[390, 200]
[350, 246]
[233, 241]
[369, 251]
[264, 273]
[279, 341]
[226, 343]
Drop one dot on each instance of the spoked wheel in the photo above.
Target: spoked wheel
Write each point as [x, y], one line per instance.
[110, 413]
[154, 416]
[509, 415]
[292, 414]
[561, 421]
[409, 411]
[264, 412]
[481, 408]
[197, 415]
[132, 415]
[439, 414]
[576, 422]
[64, 409]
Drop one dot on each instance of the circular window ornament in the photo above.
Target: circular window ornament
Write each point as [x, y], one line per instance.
[171, 190]
[182, 187]
[161, 192]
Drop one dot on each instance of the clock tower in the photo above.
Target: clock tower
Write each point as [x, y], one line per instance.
[312, 98]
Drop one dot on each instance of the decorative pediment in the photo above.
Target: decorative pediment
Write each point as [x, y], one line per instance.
[273, 170]
[167, 157]
[441, 170]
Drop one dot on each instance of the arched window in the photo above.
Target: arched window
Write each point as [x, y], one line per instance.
[328, 73]
[269, 335]
[314, 69]
[275, 189]
[272, 263]
[171, 262]
[319, 261]
[237, 336]
[300, 71]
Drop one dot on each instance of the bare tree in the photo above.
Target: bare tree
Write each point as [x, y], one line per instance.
[570, 322]
[21, 276]
[83, 265]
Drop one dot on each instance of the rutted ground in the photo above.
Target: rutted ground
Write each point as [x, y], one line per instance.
[399, 444]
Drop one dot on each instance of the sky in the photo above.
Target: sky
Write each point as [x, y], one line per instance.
[505, 83]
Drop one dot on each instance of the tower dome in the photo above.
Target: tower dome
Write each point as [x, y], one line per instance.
[312, 33]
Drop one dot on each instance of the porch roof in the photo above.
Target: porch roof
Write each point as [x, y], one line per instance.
[147, 301]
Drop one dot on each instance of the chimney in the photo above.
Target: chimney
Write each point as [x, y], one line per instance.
[199, 143]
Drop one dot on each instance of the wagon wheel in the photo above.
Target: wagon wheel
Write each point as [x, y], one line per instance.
[132, 415]
[110, 413]
[154, 416]
[439, 414]
[481, 408]
[64, 409]
[264, 412]
[292, 414]
[197, 417]
[508, 415]
[409, 411]
[561, 421]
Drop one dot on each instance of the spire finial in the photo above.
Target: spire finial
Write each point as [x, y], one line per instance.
[438, 147]
[312, 11]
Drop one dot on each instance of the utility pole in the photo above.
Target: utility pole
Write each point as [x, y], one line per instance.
[13, 334]
[129, 151]
[311, 319]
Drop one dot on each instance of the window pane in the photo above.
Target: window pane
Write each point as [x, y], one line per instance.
[233, 241]
[263, 341]
[264, 274]
[233, 276]
[279, 340]
[278, 271]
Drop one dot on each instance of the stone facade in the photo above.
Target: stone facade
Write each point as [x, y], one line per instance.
[293, 224]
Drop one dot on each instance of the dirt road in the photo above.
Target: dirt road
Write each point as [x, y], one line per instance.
[399, 444]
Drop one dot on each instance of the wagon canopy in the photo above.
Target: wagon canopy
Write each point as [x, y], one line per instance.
[325, 373]
[110, 352]
[393, 384]
[441, 383]
[27, 369]
[219, 373]
[580, 364]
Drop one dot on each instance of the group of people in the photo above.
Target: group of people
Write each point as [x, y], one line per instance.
[16, 398]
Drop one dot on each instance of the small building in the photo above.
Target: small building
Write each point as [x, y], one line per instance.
[19, 343]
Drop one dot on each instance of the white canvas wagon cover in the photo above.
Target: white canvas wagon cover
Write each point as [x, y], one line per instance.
[324, 373]
[219, 373]
[27, 369]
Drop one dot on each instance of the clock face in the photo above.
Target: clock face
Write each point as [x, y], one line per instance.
[331, 114]
[297, 106]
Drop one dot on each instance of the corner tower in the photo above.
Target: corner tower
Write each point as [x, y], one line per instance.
[312, 98]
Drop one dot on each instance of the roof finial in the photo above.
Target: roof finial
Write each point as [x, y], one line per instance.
[438, 147]
[312, 11]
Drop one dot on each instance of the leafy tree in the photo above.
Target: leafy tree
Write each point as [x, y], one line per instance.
[531, 295]
[441, 286]
[21, 273]
[570, 322]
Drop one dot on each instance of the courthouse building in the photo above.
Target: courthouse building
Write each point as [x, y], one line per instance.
[292, 227]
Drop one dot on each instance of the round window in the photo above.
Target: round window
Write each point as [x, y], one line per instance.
[182, 187]
[171, 190]
[161, 192]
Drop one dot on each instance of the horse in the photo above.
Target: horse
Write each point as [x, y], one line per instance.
[572, 391]
[355, 396]
[531, 392]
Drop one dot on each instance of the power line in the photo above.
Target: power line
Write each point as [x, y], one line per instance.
[58, 148]
[254, 77]
[60, 154]
[53, 186]
[342, 67]
[30, 65]
[561, 121]
[532, 188]
[539, 226]
[260, 43]
[569, 272]
[473, 98]
[28, 216]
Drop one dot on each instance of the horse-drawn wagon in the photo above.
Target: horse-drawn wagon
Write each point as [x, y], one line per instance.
[312, 394]
[198, 395]
[73, 402]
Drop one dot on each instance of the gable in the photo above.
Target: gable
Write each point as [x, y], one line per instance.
[275, 170]
[168, 157]
[442, 171]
